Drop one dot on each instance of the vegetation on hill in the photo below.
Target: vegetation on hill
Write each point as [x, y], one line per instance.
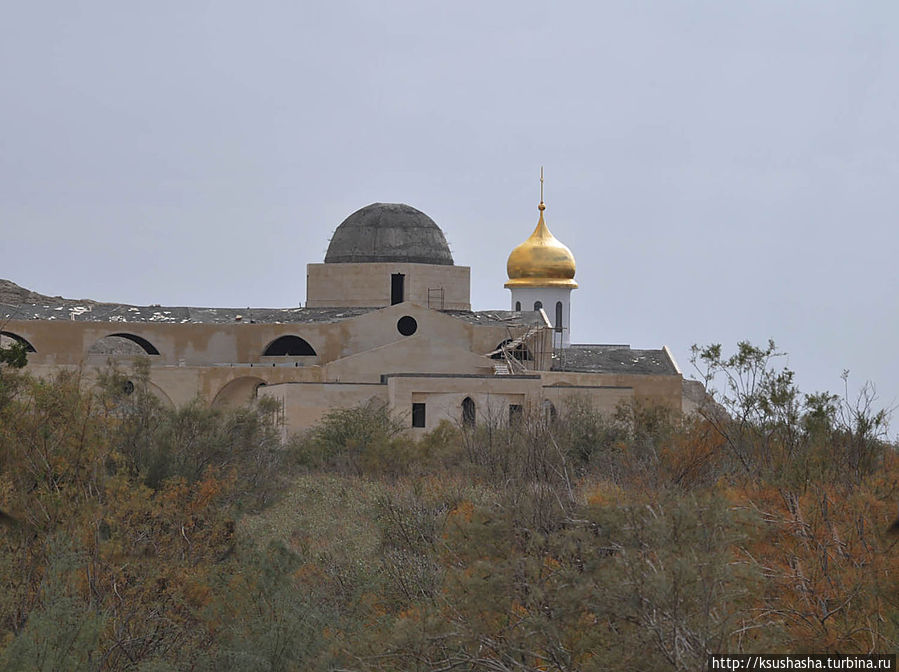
[137, 537]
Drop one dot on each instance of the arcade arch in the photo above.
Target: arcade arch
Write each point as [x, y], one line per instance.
[122, 344]
[289, 346]
[7, 336]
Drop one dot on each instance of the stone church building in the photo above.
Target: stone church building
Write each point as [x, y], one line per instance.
[387, 318]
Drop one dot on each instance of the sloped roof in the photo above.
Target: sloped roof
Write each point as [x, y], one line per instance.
[614, 359]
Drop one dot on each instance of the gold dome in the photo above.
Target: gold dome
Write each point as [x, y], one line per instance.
[541, 260]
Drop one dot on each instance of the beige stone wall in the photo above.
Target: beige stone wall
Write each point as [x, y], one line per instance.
[368, 285]
[416, 354]
[305, 404]
[603, 399]
[443, 396]
[220, 385]
[658, 390]
[67, 342]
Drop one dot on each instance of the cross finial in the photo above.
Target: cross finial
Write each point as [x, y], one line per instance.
[541, 206]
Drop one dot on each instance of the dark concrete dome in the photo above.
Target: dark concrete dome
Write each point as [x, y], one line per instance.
[389, 232]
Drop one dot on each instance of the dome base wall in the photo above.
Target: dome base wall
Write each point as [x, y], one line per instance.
[372, 285]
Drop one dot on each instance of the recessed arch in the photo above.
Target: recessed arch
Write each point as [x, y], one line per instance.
[288, 346]
[237, 392]
[160, 394]
[19, 339]
[538, 305]
[558, 316]
[519, 352]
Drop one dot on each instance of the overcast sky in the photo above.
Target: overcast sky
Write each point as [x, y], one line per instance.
[721, 170]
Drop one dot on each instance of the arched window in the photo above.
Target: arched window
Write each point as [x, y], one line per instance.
[559, 316]
[549, 411]
[538, 305]
[469, 412]
[291, 346]
[518, 306]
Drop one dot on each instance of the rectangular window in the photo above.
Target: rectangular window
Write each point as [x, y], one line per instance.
[396, 288]
[514, 413]
[418, 415]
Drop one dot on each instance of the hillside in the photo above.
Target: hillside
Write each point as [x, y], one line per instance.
[14, 295]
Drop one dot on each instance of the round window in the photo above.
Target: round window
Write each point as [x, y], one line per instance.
[407, 325]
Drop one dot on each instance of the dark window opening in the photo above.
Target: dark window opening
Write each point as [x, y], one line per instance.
[469, 412]
[148, 347]
[397, 280]
[128, 387]
[407, 325]
[519, 352]
[292, 346]
[538, 305]
[18, 339]
[518, 306]
[558, 316]
[418, 415]
[515, 412]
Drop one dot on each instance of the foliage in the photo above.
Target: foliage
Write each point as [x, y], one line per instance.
[15, 355]
[773, 432]
[158, 539]
[365, 438]
[142, 548]
[63, 632]
[160, 443]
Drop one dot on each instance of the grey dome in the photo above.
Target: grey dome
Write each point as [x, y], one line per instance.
[389, 232]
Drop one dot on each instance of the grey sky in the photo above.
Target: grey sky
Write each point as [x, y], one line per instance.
[721, 170]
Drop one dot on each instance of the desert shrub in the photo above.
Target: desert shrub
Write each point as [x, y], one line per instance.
[410, 528]
[266, 620]
[592, 438]
[771, 432]
[63, 631]
[362, 439]
[160, 443]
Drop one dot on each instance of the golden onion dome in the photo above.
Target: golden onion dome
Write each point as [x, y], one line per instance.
[541, 260]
